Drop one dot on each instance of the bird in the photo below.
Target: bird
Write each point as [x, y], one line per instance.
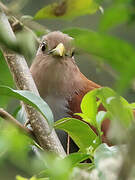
[59, 80]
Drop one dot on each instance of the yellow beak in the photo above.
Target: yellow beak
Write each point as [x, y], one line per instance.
[59, 50]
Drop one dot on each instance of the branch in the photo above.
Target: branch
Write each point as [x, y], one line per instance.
[24, 81]
[5, 115]
[27, 24]
[4, 8]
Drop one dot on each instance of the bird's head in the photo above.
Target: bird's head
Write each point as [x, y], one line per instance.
[54, 68]
[57, 45]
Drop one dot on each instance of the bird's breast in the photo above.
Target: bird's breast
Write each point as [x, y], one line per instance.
[58, 105]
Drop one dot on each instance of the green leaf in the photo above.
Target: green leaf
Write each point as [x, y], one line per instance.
[100, 118]
[114, 16]
[5, 79]
[32, 178]
[85, 118]
[86, 166]
[27, 44]
[89, 106]
[76, 158]
[5, 75]
[117, 53]
[10, 143]
[79, 131]
[23, 44]
[113, 103]
[20, 178]
[55, 167]
[67, 9]
[5, 36]
[43, 179]
[31, 99]
[132, 105]
[120, 12]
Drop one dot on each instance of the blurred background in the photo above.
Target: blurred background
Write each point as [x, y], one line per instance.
[89, 65]
[86, 63]
[98, 72]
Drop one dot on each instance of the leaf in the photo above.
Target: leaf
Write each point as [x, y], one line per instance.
[79, 131]
[132, 105]
[43, 179]
[121, 11]
[89, 107]
[86, 166]
[85, 118]
[118, 108]
[20, 178]
[27, 44]
[5, 36]
[32, 178]
[5, 79]
[14, 143]
[55, 167]
[113, 16]
[24, 43]
[117, 53]
[31, 99]
[100, 118]
[67, 9]
[76, 158]
[21, 115]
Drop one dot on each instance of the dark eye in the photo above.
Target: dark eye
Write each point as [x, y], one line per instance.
[72, 53]
[43, 46]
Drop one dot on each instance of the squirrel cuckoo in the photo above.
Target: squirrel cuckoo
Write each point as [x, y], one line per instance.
[59, 80]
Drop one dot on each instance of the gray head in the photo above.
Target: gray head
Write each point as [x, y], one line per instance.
[56, 44]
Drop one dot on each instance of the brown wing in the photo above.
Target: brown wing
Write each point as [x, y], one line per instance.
[74, 104]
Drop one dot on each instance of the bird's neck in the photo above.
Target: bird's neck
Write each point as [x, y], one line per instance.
[57, 82]
[57, 78]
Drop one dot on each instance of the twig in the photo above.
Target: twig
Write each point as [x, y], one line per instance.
[23, 80]
[4, 8]
[29, 25]
[5, 115]
[68, 144]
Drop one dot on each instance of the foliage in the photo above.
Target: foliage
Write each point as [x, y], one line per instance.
[17, 150]
[120, 12]
[31, 99]
[67, 9]
[117, 53]
[73, 127]
[5, 79]
[117, 109]
[24, 43]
